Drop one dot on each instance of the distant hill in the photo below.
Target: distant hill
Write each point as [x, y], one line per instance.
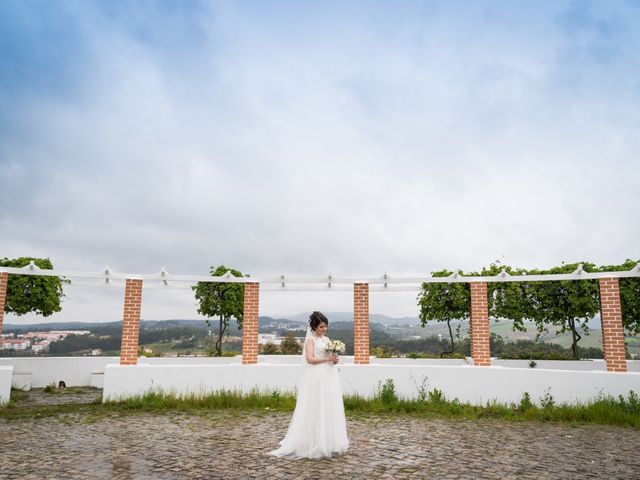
[348, 317]
[144, 324]
[398, 327]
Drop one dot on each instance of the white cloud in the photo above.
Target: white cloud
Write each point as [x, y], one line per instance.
[399, 141]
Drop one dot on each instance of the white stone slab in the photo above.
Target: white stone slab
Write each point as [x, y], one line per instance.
[6, 372]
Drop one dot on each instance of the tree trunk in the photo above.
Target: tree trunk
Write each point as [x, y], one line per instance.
[451, 336]
[575, 339]
[221, 329]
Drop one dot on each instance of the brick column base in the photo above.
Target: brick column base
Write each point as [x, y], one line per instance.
[250, 323]
[131, 322]
[361, 323]
[612, 328]
[4, 281]
[480, 325]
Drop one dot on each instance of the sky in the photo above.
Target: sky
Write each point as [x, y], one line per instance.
[308, 138]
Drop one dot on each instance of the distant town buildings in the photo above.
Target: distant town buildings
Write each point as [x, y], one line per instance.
[36, 342]
[15, 344]
[264, 338]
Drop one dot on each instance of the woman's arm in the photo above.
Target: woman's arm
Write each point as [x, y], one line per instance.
[313, 360]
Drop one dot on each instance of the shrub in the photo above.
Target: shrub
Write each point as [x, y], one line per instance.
[436, 396]
[290, 345]
[525, 402]
[547, 402]
[51, 388]
[387, 392]
[270, 349]
[381, 352]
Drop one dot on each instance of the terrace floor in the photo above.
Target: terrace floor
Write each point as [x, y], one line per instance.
[212, 444]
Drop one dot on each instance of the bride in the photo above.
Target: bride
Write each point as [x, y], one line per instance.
[318, 426]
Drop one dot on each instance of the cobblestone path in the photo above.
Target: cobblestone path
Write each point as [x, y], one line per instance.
[217, 444]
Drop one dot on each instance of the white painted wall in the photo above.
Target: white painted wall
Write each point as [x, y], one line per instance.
[5, 383]
[38, 372]
[74, 371]
[476, 385]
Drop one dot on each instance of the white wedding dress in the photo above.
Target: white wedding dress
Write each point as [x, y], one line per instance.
[318, 426]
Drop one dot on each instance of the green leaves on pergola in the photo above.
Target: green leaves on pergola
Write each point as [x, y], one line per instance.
[567, 305]
[32, 293]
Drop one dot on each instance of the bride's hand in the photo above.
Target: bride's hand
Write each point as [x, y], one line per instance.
[335, 359]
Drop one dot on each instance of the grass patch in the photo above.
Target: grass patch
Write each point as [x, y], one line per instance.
[222, 399]
[16, 395]
[621, 411]
[51, 389]
[606, 410]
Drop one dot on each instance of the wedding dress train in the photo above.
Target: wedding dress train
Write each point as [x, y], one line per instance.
[318, 426]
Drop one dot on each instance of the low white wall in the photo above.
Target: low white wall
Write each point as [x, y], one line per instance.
[5, 383]
[74, 371]
[469, 384]
[38, 372]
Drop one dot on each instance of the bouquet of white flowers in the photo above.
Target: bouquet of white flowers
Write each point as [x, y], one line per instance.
[335, 347]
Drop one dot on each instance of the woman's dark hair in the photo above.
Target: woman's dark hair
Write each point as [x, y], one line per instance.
[315, 319]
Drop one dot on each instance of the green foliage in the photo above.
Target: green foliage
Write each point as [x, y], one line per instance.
[508, 299]
[436, 396]
[566, 304]
[51, 388]
[381, 352]
[525, 402]
[222, 300]
[109, 338]
[629, 296]
[606, 410]
[415, 355]
[32, 293]
[535, 350]
[227, 399]
[290, 345]
[270, 349]
[547, 402]
[387, 392]
[444, 302]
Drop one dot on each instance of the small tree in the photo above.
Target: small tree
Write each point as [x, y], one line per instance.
[32, 293]
[444, 302]
[222, 300]
[290, 346]
[567, 304]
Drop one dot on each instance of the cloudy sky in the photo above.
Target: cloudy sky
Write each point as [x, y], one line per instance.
[307, 138]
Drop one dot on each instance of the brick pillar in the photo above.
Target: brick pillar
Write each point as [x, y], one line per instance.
[612, 329]
[250, 323]
[4, 281]
[361, 323]
[131, 322]
[479, 324]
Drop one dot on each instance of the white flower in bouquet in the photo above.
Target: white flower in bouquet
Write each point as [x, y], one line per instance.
[335, 347]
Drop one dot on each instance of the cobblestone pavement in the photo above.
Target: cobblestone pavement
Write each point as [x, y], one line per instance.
[217, 444]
